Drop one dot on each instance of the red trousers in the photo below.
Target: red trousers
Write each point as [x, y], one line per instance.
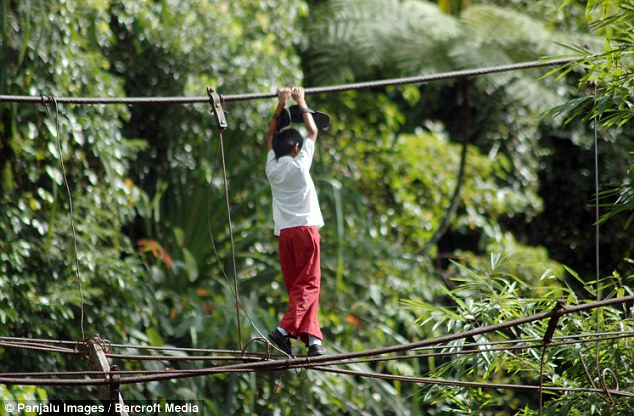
[299, 257]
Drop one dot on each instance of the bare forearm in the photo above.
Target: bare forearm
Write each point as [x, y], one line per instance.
[309, 122]
[273, 125]
[283, 94]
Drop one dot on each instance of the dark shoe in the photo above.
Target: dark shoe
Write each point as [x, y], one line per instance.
[283, 342]
[315, 350]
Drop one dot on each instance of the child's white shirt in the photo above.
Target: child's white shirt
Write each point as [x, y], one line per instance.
[295, 200]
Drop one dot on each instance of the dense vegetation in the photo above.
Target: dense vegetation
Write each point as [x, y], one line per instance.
[448, 205]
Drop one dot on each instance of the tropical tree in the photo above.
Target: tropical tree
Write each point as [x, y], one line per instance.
[155, 248]
[496, 113]
[585, 351]
[357, 42]
[147, 189]
[609, 73]
[66, 269]
[364, 40]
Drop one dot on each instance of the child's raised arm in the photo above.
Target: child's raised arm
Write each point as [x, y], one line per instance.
[283, 95]
[309, 122]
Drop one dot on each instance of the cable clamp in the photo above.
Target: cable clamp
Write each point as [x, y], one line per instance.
[105, 345]
[45, 99]
[215, 100]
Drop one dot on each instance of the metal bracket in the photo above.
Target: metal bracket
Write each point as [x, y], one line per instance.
[108, 393]
[215, 101]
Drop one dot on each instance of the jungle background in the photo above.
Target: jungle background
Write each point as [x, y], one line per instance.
[448, 205]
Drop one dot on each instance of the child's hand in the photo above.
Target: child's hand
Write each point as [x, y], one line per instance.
[283, 95]
[298, 94]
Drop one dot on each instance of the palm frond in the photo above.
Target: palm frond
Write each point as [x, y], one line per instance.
[362, 40]
[387, 36]
[537, 95]
[515, 33]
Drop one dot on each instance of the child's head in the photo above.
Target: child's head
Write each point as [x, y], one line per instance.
[287, 142]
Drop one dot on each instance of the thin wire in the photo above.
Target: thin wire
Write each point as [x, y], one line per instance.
[70, 212]
[316, 90]
[233, 245]
[301, 377]
[596, 232]
[222, 269]
[172, 348]
[541, 381]
[600, 373]
[275, 389]
[186, 358]
[49, 341]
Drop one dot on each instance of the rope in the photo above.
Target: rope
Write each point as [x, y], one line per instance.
[374, 84]
[316, 90]
[472, 332]
[98, 373]
[391, 377]
[70, 205]
[420, 345]
[19, 341]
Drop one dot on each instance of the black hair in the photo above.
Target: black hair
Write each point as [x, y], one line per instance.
[284, 142]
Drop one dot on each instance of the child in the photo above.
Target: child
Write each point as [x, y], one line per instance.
[297, 217]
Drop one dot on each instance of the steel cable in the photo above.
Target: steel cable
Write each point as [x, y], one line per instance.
[468, 384]
[314, 90]
[284, 364]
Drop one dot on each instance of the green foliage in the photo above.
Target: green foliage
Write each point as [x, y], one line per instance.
[492, 293]
[613, 74]
[148, 191]
[40, 296]
[418, 174]
[611, 68]
[385, 38]
[619, 201]
[494, 112]
[605, 97]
